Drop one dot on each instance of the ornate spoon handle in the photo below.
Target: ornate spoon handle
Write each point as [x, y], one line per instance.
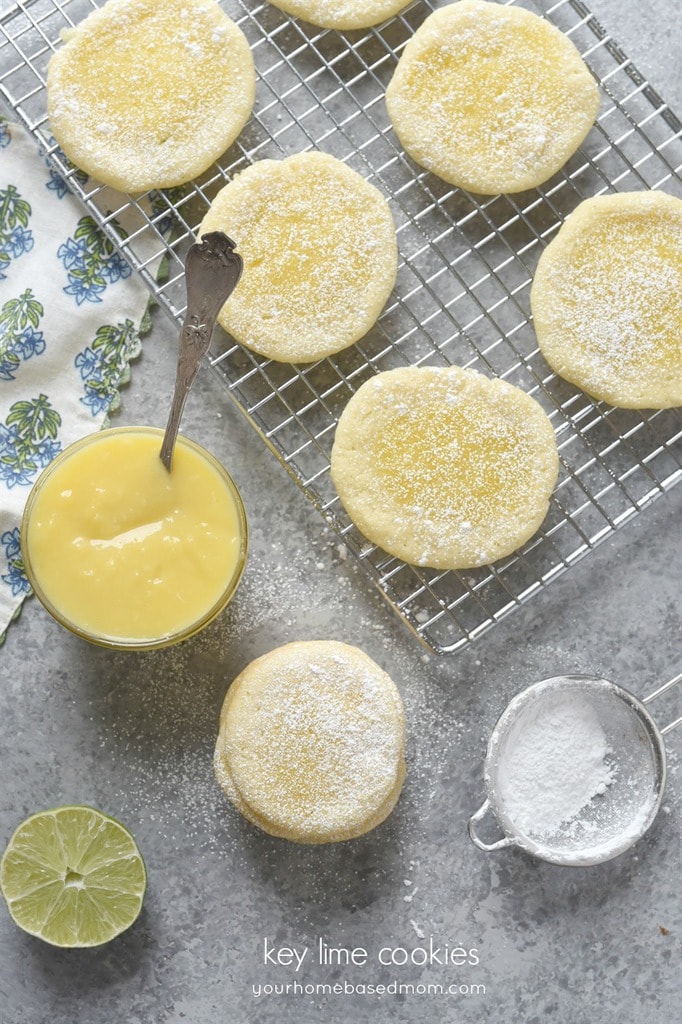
[212, 270]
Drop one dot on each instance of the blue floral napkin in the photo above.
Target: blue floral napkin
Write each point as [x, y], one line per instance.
[70, 315]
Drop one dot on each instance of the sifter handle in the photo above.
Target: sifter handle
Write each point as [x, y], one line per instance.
[476, 840]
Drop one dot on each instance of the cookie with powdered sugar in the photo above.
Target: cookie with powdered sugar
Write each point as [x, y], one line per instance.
[311, 742]
[491, 98]
[444, 467]
[341, 14]
[146, 94]
[607, 299]
[320, 256]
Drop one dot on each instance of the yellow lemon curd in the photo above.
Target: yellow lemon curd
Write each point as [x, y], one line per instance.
[126, 554]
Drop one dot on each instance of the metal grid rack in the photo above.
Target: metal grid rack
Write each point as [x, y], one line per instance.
[462, 290]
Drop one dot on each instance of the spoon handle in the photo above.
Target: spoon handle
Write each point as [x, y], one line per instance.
[212, 270]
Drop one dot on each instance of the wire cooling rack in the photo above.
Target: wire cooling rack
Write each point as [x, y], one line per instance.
[462, 290]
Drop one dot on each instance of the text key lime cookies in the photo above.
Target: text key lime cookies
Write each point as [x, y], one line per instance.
[320, 256]
[491, 98]
[146, 94]
[311, 742]
[607, 299]
[443, 467]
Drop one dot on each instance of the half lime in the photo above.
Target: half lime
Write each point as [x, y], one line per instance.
[73, 877]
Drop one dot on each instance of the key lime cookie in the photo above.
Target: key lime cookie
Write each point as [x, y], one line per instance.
[607, 300]
[319, 251]
[146, 94]
[342, 14]
[491, 98]
[311, 742]
[443, 467]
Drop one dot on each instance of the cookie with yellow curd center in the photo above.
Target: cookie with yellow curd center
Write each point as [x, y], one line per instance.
[311, 742]
[443, 467]
[341, 14]
[147, 94]
[607, 299]
[491, 98]
[320, 256]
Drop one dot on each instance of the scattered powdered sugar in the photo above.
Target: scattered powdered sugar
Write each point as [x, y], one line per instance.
[553, 764]
[409, 896]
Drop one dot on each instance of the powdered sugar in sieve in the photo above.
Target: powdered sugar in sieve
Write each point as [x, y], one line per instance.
[574, 772]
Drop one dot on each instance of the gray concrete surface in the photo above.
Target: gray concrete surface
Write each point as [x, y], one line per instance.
[133, 734]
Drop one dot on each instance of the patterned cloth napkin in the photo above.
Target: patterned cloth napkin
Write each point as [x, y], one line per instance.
[70, 316]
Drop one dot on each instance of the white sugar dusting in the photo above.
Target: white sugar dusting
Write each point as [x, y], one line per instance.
[554, 763]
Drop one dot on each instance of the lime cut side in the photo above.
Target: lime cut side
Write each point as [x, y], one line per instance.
[73, 877]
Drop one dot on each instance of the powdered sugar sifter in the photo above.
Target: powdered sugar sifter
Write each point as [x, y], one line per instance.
[575, 770]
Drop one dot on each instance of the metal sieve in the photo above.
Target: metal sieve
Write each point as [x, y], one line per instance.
[617, 814]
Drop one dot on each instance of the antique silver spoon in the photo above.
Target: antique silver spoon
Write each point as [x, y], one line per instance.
[212, 270]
